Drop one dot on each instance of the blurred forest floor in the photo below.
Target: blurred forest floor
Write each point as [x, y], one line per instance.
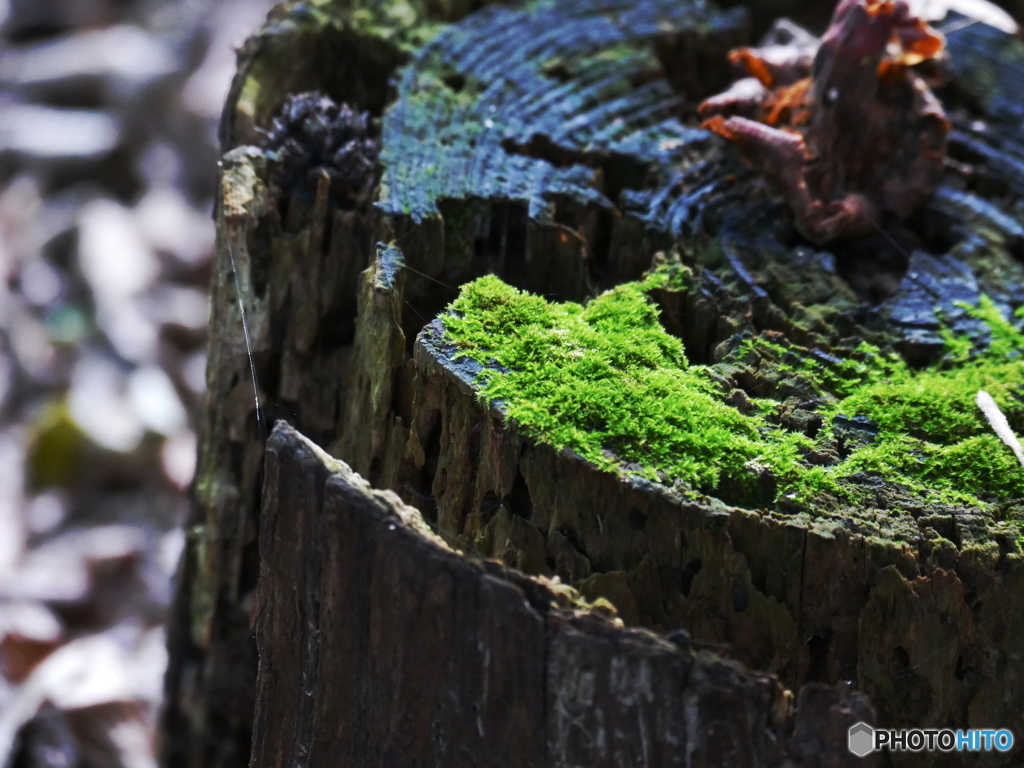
[108, 152]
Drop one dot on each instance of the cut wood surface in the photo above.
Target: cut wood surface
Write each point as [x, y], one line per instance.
[549, 145]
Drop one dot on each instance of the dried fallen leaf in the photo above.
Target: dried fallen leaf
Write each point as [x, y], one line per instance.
[29, 632]
[121, 665]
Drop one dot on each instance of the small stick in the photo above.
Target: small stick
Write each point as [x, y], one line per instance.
[999, 423]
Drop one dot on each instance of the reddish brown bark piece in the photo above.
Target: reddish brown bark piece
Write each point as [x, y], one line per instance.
[853, 135]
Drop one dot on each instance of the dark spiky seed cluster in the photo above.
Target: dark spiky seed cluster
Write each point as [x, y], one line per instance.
[311, 134]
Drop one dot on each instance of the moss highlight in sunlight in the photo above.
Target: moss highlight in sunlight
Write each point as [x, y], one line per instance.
[604, 380]
[932, 434]
[607, 381]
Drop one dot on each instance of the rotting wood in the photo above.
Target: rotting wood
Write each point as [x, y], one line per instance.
[296, 268]
[406, 417]
[898, 603]
[379, 645]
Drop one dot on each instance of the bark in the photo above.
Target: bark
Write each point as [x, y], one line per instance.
[379, 645]
[564, 180]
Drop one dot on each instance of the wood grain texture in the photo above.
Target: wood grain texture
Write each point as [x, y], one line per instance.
[380, 646]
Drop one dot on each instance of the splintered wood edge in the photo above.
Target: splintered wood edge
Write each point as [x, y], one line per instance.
[389, 503]
[385, 498]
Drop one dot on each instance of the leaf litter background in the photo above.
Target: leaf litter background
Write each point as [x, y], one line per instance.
[108, 113]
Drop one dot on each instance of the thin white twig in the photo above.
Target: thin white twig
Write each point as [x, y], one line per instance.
[999, 423]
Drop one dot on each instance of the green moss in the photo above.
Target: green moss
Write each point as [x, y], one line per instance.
[931, 429]
[937, 405]
[669, 274]
[405, 24]
[607, 381]
[604, 380]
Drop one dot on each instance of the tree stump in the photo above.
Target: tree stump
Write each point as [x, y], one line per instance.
[551, 145]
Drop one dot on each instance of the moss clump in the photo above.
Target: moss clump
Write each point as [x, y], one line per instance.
[933, 432]
[928, 435]
[607, 381]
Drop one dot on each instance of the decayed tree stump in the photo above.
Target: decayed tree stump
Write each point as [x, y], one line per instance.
[546, 145]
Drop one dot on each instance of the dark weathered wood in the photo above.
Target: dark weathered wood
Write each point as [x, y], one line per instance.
[296, 268]
[806, 598]
[380, 646]
[561, 196]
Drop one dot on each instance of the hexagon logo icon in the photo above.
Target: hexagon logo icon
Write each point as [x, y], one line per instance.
[861, 739]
